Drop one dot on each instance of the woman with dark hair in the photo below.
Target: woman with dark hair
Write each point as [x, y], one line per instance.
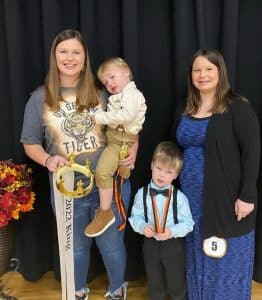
[57, 123]
[219, 134]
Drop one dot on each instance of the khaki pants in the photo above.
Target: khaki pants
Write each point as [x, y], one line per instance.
[109, 159]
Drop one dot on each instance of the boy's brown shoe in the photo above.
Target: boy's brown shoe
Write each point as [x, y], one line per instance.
[102, 220]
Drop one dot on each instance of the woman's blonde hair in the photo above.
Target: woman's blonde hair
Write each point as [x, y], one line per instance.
[87, 94]
[116, 62]
[224, 94]
[168, 154]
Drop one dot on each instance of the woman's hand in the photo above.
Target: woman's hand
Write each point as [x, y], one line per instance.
[53, 162]
[131, 159]
[243, 209]
[37, 153]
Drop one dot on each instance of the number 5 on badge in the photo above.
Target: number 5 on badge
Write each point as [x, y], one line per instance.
[215, 247]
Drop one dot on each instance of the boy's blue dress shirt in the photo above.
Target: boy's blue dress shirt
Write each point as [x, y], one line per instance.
[185, 221]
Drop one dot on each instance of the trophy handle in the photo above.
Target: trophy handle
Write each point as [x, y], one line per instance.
[80, 190]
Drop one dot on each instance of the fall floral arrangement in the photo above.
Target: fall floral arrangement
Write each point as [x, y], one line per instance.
[16, 194]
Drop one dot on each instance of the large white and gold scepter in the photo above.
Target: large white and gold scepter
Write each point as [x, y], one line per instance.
[64, 194]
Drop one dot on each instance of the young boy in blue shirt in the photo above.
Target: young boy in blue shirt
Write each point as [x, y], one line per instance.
[161, 213]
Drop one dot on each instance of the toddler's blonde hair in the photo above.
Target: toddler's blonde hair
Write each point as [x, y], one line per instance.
[116, 62]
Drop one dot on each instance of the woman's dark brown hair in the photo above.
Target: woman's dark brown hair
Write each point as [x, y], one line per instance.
[224, 94]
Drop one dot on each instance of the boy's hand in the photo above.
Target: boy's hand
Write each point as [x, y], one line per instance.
[149, 231]
[165, 235]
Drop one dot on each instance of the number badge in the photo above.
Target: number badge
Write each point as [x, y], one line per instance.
[215, 247]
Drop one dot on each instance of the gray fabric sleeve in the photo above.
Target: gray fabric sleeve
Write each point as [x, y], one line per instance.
[32, 130]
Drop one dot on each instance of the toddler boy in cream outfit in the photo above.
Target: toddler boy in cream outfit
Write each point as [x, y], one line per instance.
[124, 118]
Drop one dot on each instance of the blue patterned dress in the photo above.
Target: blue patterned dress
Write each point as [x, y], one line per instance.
[227, 278]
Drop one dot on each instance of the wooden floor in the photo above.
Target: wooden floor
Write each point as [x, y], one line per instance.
[47, 288]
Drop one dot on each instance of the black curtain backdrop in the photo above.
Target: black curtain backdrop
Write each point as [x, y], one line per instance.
[157, 38]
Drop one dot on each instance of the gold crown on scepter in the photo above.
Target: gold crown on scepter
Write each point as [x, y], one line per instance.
[80, 190]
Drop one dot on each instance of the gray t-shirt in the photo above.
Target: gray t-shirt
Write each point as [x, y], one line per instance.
[64, 131]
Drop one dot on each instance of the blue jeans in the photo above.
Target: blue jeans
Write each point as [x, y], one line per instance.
[110, 243]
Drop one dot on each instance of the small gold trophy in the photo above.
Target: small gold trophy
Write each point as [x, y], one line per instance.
[124, 171]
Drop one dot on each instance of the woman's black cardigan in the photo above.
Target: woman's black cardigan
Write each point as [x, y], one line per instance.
[232, 156]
